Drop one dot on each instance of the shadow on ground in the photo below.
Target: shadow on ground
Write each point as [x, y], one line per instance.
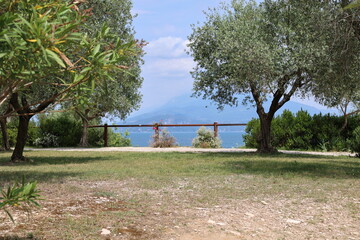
[17, 238]
[51, 160]
[323, 169]
[48, 177]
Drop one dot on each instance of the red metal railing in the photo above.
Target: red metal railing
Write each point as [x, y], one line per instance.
[156, 127]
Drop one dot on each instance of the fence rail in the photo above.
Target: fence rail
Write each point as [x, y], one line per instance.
[156, 127]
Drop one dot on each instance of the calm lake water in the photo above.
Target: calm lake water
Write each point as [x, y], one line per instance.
[229, 139]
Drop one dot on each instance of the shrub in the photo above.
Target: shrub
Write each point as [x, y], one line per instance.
[252, 133]
[119, 139]
[302, 131]
[162, 139]
[25, 194]
[47, 140]
[355, 142]
[12, 127]
[62, 127]
[206, 139]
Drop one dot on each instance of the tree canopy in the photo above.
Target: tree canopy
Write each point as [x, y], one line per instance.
[119, 95]
[45, 46]
[268, 51]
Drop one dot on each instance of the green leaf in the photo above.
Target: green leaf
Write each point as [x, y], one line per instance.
[96, 50]
[55, 57]
[354, 4]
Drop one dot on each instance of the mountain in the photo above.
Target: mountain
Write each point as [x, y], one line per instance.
[186, 110]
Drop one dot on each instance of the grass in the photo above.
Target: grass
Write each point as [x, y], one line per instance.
[166, 182]
[58, 166]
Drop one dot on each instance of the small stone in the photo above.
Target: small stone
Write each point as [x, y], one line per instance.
[293, 221]
[221, 224]
[263, 202]
[249, 214]
[105, 231]
[234, 233]
[211, 222]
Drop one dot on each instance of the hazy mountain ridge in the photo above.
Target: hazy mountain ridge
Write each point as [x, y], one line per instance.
[187, 110]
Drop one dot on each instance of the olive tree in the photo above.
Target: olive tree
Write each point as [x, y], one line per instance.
[266, 51]
[47, 57]
[340, 87]
[119, 94]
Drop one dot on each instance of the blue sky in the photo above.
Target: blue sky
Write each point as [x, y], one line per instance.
[165, 25]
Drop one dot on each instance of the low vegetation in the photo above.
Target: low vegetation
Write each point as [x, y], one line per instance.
[64, 130]
[168, 195]
[303, 131]
[206, 139]
[162, 139]
[24, 195]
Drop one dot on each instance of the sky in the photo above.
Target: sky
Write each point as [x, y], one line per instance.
[165, 25]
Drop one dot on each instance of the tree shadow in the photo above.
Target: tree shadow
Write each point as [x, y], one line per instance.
[277, 155]
[51, 160]
[15, 237]
[41, 177]
[323, 169]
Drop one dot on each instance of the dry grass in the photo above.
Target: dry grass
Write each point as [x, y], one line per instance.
[187, 196]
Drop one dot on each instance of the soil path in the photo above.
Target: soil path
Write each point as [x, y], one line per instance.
[183, 149]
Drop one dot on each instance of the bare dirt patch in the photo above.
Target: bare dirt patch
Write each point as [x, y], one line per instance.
[188, 210]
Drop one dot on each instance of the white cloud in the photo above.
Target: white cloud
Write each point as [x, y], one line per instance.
[170, 67]
[168, 47]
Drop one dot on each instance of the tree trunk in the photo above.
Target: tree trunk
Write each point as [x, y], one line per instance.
[5, 136]
[265, 135]
[18, 154]
[84, 141]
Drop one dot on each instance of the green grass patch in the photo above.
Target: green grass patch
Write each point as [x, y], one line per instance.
[57, 166]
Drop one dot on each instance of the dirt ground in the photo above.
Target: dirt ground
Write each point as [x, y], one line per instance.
[93, 210]
[119, 210]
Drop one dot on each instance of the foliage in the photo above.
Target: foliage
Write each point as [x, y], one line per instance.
[12, 126]
[252, 133]
[162, 139]
[355, 142]
[24, 194]
[353, 4]
[339, 84]
[59, 129]
[119, 139]
[119, 94]
[305, 132]
[64, 130]
[47, 56]
[206, 139]
[47, 140]
[266, 51]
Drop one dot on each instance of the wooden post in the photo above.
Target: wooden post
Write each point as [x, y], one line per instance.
[216, 128]
[105, 135]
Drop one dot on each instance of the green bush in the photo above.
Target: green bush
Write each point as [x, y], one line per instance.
[12, 127]
[306, 132]
[59, 129]
[355, 142]
[252, 133]
[119, 139]
[206, 139]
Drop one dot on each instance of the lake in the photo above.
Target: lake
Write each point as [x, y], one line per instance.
[231, 139]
